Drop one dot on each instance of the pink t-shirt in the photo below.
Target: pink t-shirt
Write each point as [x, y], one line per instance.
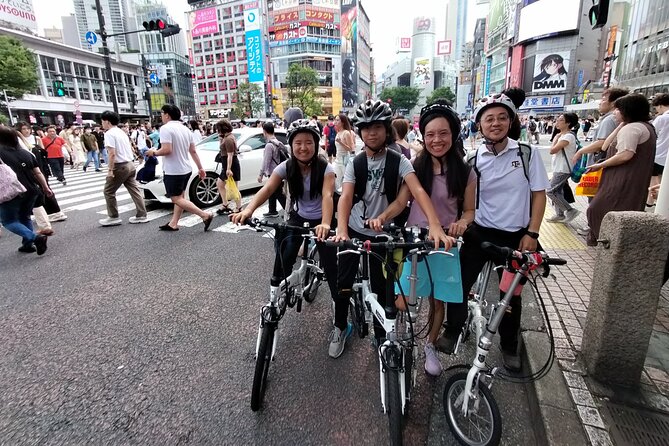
[445, 205]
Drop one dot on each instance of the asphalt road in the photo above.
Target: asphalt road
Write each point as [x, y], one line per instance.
[130, 335]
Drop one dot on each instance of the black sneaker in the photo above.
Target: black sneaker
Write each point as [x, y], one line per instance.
[27, 248]
[511, 361]
[40, 244]
[270, 214]
[446, 343]
[84, 168]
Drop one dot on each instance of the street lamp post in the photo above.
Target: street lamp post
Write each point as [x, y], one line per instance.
[105, 53]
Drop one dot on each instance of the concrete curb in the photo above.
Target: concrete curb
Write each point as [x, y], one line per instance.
[555, 418]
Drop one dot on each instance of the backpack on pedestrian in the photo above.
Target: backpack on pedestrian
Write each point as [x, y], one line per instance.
[472, 128]
[332, 134]
[532, 126]
[281, 153]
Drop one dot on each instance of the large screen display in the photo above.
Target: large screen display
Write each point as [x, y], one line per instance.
[546, 17]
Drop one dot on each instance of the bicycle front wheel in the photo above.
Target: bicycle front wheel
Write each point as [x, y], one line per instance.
[312, 282]
[262, 366]
[394, 403]
[482, 426]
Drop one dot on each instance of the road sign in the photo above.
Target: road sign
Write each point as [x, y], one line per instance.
[153, 77]
[161, 70]
[91, 38]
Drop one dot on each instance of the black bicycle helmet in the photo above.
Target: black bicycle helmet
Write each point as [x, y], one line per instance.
[372, 111]
[440, 108]
[304, 125]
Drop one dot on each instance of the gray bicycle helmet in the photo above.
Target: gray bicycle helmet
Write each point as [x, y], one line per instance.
[370, 112]
[493, 101]
[303, 125]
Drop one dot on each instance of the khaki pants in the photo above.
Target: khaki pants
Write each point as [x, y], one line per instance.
[124, 175]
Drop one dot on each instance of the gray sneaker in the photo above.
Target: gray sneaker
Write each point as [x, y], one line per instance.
[137, 220]
[556, 219]
[338, 341]
[584, 231]
[571, 214]
[110, 221]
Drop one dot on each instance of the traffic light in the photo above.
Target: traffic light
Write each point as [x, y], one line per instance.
[59, 88]
[154, 25]
[599, 13]
[170, 30]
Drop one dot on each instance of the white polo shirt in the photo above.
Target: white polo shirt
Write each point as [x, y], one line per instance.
[118, 140]
[177, 134]
[661, 124]
[504, 195]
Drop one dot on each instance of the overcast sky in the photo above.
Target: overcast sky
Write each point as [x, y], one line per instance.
[387, 22]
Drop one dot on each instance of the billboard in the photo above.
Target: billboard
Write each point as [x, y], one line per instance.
[203, 22]
[20, 13]
[422, 71]
[327, 4]
[550, 72]
[539, 102]
[253, 42]
[444, 48]
[564, 16]
[423, 25]
[349, 52]
[278, 5]
[403, 44]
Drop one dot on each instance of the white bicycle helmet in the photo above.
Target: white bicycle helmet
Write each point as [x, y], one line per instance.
[499, 99]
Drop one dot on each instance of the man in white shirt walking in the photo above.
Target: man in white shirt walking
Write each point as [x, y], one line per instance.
[121, 172]
[661, 124]
[176, 143]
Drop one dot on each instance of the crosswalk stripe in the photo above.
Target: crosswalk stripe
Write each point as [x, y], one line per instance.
[74, 193]
[80, 198]
[192, 220]
[121, 209]
[60, 190]
[80, 181]
[94, 204]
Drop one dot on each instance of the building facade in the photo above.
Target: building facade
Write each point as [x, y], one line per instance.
[365, 80]
[309, 33]
[87, 94]
[118, 19]
[219, 52]
[643, 65]
[166, 57]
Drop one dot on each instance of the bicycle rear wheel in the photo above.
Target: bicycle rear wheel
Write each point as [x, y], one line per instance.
[262, 365]
[312, 281]
[482, 426]
[393, 400]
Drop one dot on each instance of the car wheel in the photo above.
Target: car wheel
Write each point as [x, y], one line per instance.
[204, 193]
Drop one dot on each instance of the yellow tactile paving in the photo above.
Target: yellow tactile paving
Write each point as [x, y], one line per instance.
[558, 235]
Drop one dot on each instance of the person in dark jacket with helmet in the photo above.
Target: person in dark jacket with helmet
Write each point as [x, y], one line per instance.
[311, 189]
[373, 122]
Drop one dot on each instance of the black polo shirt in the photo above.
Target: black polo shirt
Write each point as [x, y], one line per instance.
[22, 163]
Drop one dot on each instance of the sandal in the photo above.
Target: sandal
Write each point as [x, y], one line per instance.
[224, 211]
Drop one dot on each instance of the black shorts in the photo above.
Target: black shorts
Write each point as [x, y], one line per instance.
[332, 150]
[657, 169]
[175, 185]
[236, 169]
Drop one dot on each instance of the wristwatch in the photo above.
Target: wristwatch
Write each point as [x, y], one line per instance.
[534, 235]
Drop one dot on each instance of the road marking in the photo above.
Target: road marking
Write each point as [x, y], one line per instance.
[92, 204]
[192, 220]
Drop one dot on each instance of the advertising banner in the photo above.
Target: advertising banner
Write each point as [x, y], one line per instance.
[286, 17]
[539, 102]
[422, 71]
[19, 12]
[550, 72]
[327, 4]
[488, 69]
[444, 48]
[278, 5]
[319, 15]
[253, 43]
[203, 22]
[288, 34]
[349, 51]
[404, 44]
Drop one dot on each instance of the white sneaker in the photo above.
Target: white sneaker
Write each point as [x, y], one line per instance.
[571, 214]
[135, 220]
[338, 341]
[110, 221]
[59, 216]
[555, 219]
[584, 231]
[432, 364]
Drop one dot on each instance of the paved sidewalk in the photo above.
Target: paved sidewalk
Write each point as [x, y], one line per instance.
[567, 304]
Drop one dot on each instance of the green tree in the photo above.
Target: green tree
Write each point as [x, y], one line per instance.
[401, 97]
[18, 68]
[301, 83]
[442, 93]
[249, 100]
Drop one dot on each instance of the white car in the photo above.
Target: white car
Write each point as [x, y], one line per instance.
[204, 193]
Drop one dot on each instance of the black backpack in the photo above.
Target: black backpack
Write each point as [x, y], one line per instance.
[281, 150]
[532, 126]
[148, 172]
[391, 180]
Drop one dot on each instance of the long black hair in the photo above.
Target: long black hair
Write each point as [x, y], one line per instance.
[296, 181]
[458, 170]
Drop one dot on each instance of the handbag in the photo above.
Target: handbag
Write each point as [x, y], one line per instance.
[10, 187]
[589, 184]
[219, 158]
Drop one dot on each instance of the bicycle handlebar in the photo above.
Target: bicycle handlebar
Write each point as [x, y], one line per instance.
[358, 245]
[256, 223]
[513, 255]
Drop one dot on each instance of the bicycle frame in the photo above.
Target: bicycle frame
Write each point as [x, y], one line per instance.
[291, 285]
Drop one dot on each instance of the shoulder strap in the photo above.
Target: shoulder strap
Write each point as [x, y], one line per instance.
[471, 159]
[525, 154]
[391, 174]
[360, 173]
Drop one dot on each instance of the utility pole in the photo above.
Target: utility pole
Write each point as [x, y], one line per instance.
[9, 110]
[147, 91]
[105, 53]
